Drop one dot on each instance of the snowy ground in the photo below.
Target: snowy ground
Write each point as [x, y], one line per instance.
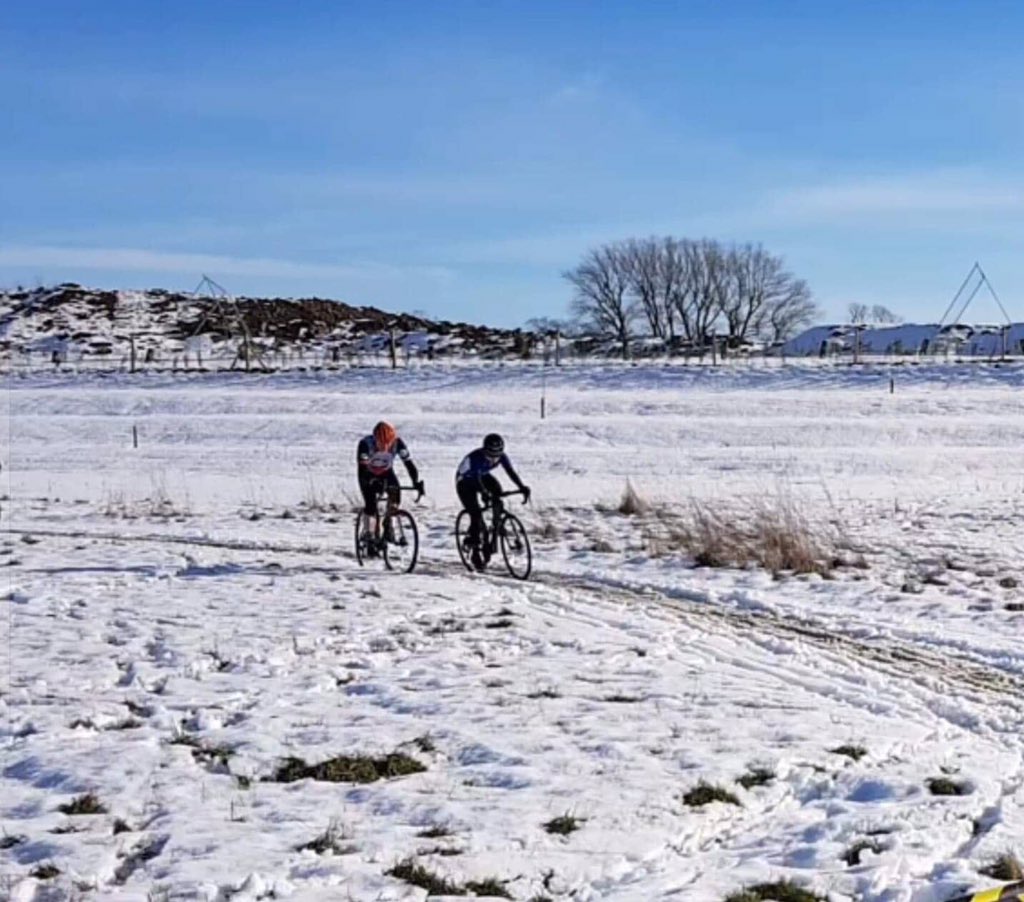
[185, 615]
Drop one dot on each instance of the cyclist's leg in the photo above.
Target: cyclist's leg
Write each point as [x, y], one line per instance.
[370, 487]
[467, 490]
[394, 492]
[492, 487]
[389, 487]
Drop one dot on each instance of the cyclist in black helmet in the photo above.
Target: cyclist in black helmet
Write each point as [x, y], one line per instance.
[473, 479]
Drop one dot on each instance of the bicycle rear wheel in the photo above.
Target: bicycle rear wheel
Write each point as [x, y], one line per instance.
[363, 537]
[515, 546]
[462, 538]
[401, 542]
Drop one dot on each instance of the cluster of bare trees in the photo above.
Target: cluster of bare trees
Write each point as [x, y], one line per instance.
[688, 293]
[861, 314]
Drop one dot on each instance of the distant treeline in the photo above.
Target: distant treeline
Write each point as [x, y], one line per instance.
[686, 295]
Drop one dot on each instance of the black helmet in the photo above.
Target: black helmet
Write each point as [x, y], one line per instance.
[494, 444]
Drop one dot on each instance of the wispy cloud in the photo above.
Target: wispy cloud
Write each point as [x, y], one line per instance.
[946, 192]
[586, 87]
[139, 260]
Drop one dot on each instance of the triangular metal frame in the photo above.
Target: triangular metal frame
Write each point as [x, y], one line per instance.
[977, 277]
[230, 312]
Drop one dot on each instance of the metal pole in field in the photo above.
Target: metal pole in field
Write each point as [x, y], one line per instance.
[135, 436]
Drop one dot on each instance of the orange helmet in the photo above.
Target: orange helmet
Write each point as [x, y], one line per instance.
[384, 436]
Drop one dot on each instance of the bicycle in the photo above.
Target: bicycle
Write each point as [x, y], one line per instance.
[395, 537]
[505, 530]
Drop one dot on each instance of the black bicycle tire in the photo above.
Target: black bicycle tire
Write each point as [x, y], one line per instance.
[517, 525]
[461, 531]
[359, 545]
[410, 527]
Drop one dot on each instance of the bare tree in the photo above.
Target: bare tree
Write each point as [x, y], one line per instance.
[882, 314]
[643, 264]
[708, 271]
[858, 313]
[688, 288]
[602, 299]
[767, 299]
[792, 311]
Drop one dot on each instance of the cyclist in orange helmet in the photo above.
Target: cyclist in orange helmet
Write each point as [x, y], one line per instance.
[375, 461]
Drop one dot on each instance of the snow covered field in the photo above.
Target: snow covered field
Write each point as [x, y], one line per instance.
[185, 616]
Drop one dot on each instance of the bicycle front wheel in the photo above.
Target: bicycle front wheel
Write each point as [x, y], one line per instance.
[515, 546]
[363, 537]
[401, 542]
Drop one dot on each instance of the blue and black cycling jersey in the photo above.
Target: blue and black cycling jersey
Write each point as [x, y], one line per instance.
[478, 464]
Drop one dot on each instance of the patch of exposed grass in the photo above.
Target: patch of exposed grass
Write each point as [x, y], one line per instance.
[436, 831]
[137, 857]
[435, 885]
[83, 804]
[489, 886]
[944, 786]
[215, 755]
[335, 839]
[852, 855]
[504, 623]
[10, 840]
[854, 752]
[563, 825]
[417, 875]
[756, 776]
[621, 698]
[66, 828]
[445, 626]
[45, 872]
[425, 743]
[347, 769]
[1004, 867]
[704, 794]
[443, 851]
[780, 891]
[127, 723]
[121, 826]
[544, 693]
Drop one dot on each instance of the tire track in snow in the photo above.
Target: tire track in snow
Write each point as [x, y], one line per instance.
[903, 658]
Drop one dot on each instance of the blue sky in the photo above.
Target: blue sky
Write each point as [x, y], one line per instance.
[454, 158]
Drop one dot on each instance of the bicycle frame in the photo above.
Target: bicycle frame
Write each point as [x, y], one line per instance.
[381, 495]
[491, 546]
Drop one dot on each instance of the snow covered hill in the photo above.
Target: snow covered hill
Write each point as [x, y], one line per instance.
[958, 339]
[72, 324]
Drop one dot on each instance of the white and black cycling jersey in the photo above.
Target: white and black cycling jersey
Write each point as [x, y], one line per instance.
[379, 461]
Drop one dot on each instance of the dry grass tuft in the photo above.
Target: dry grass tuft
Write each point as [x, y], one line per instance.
[631, 504]
[771, 534]
[1005, 867]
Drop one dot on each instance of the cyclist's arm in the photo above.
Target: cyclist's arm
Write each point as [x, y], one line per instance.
[403, 452]
[363, 454]
[512, 474]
